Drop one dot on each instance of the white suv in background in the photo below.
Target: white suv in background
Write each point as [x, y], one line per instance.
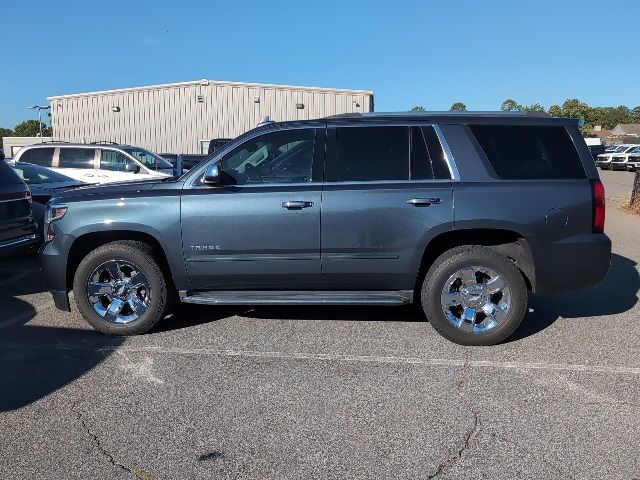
[97, 163]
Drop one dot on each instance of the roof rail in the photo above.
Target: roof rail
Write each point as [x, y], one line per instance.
[104, 142]
[438, 113]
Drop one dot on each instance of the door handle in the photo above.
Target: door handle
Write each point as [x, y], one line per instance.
[424, 202]
[296, 204]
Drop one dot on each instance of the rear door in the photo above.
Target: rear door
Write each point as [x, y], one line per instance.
[78, 163]
[387, 193]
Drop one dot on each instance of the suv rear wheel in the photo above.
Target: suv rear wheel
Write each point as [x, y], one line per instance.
[473, 295]
[120, 289]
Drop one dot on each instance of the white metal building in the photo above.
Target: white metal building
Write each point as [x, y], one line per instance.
[183, 117]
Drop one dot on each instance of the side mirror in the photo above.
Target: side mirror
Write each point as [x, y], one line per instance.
[212, 176]
[132, 167]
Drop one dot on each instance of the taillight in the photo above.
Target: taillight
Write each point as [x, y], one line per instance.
[598, 202]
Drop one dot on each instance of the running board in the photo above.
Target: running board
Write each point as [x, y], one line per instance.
[312, 297]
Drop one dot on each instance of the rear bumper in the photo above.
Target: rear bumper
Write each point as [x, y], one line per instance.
[9, 247]
[572, 263]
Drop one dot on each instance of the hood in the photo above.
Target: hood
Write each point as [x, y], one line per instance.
[107, 190]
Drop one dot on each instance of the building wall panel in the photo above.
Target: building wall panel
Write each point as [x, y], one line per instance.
[169, 118]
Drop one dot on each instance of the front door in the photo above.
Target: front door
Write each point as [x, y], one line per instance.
[386, 196]
[260, 230]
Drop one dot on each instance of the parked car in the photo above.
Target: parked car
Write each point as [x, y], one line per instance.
[189, 160]
[633, 160]
[596, 150]
[244, 227]
[43, 183]
[217, 143]
[620, 161]
[17, 226]
[97, 163]
[604, 159]
[1, 154]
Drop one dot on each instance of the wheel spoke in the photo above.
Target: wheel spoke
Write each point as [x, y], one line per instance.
[137, 305]
[468, 277]
[495, 284]
[451, 299]
[113, 310]
[137, 279]
[99, 288]
[467, 320]
[114, 270]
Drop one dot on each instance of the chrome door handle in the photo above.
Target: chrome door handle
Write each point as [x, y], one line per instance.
[424, 202]
[296, 205]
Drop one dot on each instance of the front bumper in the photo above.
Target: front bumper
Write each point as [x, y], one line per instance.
[572, 263]
[53, 264]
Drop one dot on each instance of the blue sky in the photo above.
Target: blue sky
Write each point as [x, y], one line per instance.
[409, 52]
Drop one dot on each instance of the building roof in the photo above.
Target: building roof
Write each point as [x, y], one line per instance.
[627, 129]
[602, 133]
[205, 82]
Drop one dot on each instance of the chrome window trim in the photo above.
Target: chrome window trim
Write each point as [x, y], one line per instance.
[453, 168]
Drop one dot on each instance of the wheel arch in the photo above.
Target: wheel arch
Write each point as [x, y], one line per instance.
[87, 242]
[508, 242]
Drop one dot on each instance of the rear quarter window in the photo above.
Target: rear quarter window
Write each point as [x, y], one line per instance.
[38, 156]
[529, 152]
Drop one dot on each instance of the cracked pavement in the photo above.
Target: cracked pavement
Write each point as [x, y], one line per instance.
[324, 392]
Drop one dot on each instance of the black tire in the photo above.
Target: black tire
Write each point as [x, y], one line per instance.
[456, 259]
[139, 254]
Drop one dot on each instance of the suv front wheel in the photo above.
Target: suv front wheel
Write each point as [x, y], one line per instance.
[120, 289]
[473, 295]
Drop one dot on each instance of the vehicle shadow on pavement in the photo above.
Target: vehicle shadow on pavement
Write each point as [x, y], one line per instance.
[617, 293]
[21, 275]
[36, 360]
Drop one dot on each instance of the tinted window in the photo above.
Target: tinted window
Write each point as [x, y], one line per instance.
[278, 157]
[372, 153]
[33, 174]
[76, 158]
[427, 163]
[38, 156]
[113, 161]
[8, 176]
[529, 152]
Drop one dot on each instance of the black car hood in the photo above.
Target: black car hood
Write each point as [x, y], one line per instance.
[108, 190]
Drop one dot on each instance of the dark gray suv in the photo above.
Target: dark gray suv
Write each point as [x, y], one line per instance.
[461, 213]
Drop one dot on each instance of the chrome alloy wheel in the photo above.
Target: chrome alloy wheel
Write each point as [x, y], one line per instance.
[476, 299]
[118, 291]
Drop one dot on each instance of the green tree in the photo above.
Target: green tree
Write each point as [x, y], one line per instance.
[555, 111]
[31, 128]
[458, 107]
[418, 108]
[5, 132]
[509, 105]
[534, 107]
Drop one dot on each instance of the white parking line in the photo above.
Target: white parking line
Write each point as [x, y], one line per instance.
[333, 357]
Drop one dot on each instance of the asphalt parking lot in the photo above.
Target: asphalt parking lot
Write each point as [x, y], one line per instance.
[326, 392]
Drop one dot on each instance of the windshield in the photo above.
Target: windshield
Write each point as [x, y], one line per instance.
[149, 159]
[626, 149]
[33, 175]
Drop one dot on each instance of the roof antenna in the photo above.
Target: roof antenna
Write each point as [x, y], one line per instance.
[265, 120]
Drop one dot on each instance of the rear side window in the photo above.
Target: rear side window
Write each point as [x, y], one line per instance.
[427, 157]
[372, 153]
[38, 156]
[529, 152]
[76, 158]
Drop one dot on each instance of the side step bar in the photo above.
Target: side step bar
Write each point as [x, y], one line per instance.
[315, 297]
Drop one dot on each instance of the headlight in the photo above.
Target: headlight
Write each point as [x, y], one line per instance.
[54, 211]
